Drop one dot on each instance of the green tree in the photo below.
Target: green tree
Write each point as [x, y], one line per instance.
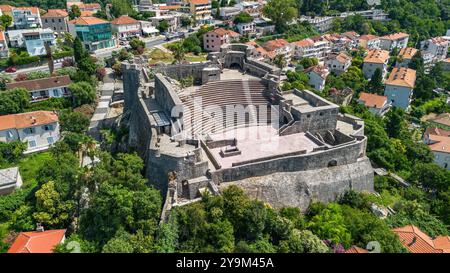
[75, 122]
[5, 21]
[121, 7]
[329, 225]
[243, 18]
[281, 12]
[376, 83]
[303, 242]
[51, 211]
[82, 93]
[74, 12]
[14, 101]
[163, 26]
[178, 52]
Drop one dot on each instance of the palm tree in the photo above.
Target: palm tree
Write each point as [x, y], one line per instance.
[178, 52]
[280, 62]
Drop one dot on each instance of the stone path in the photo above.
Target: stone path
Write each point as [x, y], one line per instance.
[106, 91]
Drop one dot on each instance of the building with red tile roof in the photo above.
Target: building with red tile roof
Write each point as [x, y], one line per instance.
[438, 140]
[56, 19]
[416, 241]
[317, 76]
[45, 88]
[26, 17]
[377, 104]
[37, 241]
[356, 250]
[125, 27]
[396, 40]
[214, 39]
[375, 59]
[399, 86]
[84, 27]
[40, 129]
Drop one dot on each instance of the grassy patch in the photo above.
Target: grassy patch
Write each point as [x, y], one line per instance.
[29, 166]
[195, 58]
[157, 55]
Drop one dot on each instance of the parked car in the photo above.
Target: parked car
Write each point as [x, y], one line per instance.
[11, 69]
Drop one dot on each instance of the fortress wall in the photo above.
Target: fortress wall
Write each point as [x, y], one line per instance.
[300, 189]
[181, 71]
[166, 97]
[340, 156]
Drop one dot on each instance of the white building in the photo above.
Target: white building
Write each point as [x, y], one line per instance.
[35, 41]
[317, 76]
[338, 63]
[10, 180]
[396, 40]
[246, 28]
[39, 129]
[322, 24]
[399, 87]
[279, 47]
[373, 60]
[43, 89]
[4, 51]
[126, 27]
[309, 48]
[26, 17]
[437, 47]
[369, 41]
[148, 29]
[377, 104]
[438, 140]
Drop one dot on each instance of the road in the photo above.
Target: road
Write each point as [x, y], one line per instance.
[33, 69]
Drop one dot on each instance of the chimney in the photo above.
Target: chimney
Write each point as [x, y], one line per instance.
[413, 241]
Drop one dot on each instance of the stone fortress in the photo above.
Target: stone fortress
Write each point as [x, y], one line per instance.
[235, 126]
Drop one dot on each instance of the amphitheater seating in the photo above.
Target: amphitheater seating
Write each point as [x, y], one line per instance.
[222, 94]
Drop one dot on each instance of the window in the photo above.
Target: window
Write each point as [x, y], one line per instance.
[29, 131]
[47, 127]
[9, 135]
[50, 140]
[59, 20]
[32, 143]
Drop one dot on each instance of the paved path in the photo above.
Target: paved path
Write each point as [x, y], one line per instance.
[106, 93]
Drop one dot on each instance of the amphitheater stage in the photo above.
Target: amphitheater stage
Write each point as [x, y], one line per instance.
[260, 143]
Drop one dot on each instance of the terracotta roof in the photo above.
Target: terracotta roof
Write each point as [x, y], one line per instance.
[92, 6]
[373, 100]
[87, 21]
[252, 43]
[199, 2]
[368, 37]
[438, 140]
[6, 8]
[304, 43]
[355, 249]
[320, 70]
[37, 241]
[341, 57]
[274, 44]
[25, 120]
[32, 9]
[408, 52]
[222, 32]
[377, 56]
[417, 241]
[351, 34]
[2, 36]
[56, 13]
[439, 41]
[395, 36]
[41, 84]
[124, 20]
[443, 119]
[437, 131]
[402, 77]
[86, 13]
[446, 60]
[170, 7]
